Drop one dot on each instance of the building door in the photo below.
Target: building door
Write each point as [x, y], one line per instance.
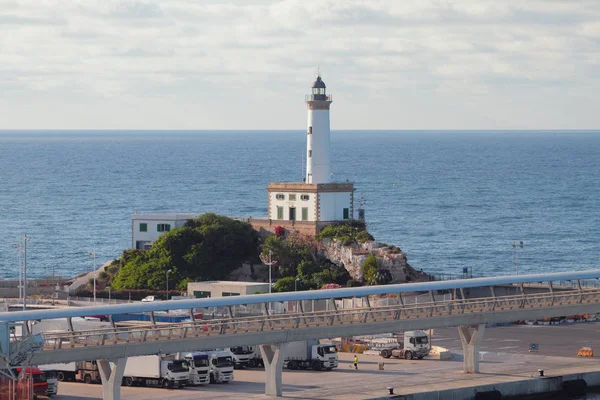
[292, 213]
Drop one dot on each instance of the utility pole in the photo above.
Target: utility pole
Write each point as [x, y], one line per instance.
[25, 240]
[168, 272]
[93, 254]
[55, 284]
[270, 263]
[17, 247]
[516, 246]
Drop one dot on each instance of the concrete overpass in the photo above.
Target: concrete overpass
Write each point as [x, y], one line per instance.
[249, 320]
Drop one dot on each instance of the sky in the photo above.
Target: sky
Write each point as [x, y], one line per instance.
[247, 64]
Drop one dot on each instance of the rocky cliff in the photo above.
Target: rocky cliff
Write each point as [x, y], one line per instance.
[389, 258]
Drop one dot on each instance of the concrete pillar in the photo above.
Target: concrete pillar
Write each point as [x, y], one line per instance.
[112, 377]
[471, 341]
[273, 355]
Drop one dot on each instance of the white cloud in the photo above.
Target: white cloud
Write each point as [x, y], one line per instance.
[377, 56]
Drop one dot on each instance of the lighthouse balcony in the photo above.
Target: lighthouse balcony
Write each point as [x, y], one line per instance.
[318, 97]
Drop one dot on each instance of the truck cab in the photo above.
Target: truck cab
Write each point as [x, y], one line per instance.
[220, 366]
[242, 356]
[199, 367]
[327, 355]
[415, 345]
[40, 386]
[52, 380]
[177, 372]
[416, 342]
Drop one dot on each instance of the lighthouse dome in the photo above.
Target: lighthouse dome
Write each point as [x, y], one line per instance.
[318, 84]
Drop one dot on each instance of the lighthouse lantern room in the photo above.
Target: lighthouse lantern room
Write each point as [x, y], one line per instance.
[311, 205]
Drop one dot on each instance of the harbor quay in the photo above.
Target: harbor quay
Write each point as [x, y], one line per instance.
[506, 365]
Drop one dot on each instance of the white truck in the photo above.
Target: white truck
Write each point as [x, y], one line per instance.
[310, 354]
[52, 380]
[156, 370]
[220, 364]
[198, 364]
[416, 345]
[246, 356]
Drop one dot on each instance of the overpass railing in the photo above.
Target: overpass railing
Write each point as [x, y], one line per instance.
[302, 320]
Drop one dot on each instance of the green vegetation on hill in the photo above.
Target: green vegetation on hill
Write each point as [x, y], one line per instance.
[348, 232]
[298, 264]
[209, 247]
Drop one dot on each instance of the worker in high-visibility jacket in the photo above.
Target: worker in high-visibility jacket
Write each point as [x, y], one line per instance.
[355, 361]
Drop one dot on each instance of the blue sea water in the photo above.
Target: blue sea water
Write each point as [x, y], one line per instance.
[448, 199]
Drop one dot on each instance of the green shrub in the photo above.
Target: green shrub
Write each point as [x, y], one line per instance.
[285, 284]
[344, 231]
[353, 283]
[363, 237]
[370, 269]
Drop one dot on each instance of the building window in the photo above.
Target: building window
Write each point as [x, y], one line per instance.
[304, 213]
[279, 212]
[309, 153]
[280, 196]
[200, 294]
[163, 227]
[292, 197]
[310, 130]
[228, 294]
[346, 213]
[143, 245]
[143, 227]
[304, 197]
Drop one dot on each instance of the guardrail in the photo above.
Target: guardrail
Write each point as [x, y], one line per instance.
[304, 320]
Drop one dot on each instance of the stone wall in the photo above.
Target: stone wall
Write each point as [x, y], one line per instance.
[389, 258]
[265, 226]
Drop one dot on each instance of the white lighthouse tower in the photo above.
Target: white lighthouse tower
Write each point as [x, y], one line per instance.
[311, 205]
[318, 164]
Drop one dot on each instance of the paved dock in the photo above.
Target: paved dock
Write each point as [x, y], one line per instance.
[505, 358]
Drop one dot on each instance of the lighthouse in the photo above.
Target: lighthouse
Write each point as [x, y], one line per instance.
[311, 205]
[318, 160]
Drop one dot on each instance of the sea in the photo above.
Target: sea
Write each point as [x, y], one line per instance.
[452, 200]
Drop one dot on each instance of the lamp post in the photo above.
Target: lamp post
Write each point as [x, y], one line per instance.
[296, 284]
[516, 246]
[25, 240]
[18, 248]
[270, 263]
[108, 288]
[93, 254]
[168, 272]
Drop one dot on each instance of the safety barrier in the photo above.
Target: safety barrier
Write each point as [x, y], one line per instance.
[295, 321]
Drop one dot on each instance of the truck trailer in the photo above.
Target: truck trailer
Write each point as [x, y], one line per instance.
[84, 371]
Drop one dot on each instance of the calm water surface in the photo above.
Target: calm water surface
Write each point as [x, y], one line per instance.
[449, 199]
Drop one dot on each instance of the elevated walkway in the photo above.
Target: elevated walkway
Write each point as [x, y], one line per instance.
[118, 342]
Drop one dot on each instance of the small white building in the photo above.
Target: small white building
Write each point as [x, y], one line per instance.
[225, 288]
[146, 228]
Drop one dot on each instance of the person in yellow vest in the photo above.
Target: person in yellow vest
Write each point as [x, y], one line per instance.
[355, 361]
